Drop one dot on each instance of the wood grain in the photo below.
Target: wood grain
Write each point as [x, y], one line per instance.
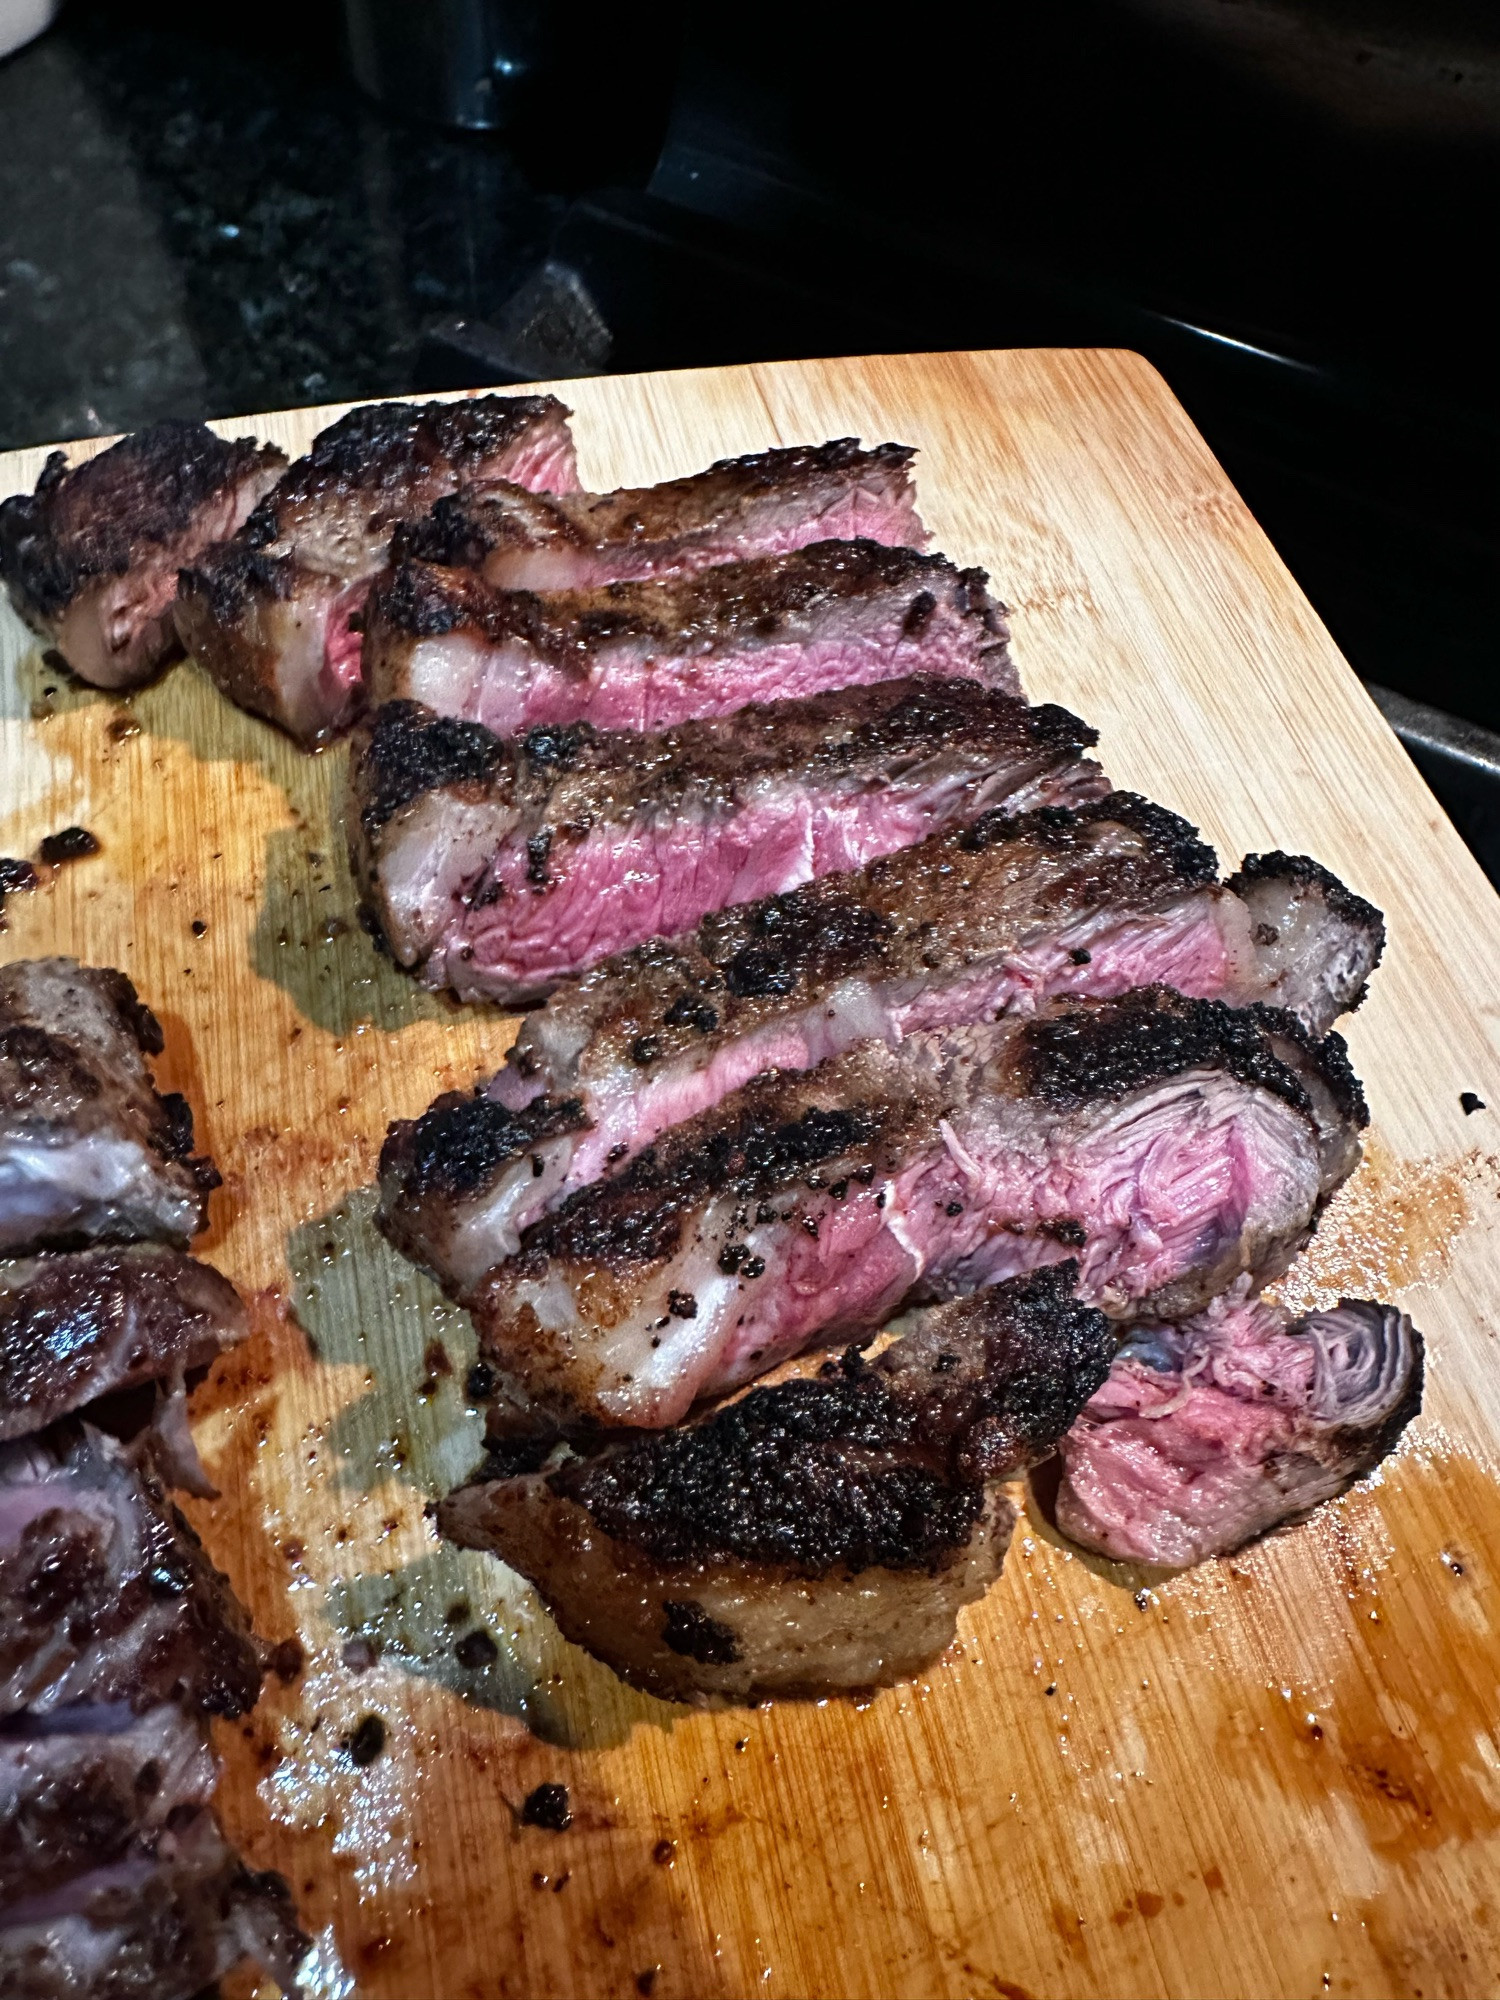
[1277, 1775]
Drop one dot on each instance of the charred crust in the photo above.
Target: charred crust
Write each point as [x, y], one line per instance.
[1309, 875]
[868, 1464]
[691, 1632]
[1328, 1055]
[1106, 1052]
[230, 577]
[733, 600]
[458, 1145]
[137, 1018]
[636, 1216]
[406, 750]
[379, 441]
[95, 520]
[1173, 840]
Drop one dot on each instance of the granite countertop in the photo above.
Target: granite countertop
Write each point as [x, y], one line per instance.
[201, 223]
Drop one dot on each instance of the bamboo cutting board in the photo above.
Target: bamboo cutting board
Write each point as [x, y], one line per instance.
[1278, 1774]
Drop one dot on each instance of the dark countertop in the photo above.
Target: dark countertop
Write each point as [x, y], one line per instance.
[194, 223]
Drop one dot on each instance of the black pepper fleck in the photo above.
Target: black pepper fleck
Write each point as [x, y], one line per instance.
[365, 1743]
[1471, 1103]
[548, 1808]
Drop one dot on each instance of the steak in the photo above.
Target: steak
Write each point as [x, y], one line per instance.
[998, 917]
[106, 1594]
[93, 1790]
[88, 1149]
[1170, 1144]
[75, 1328]
[816, 1535]
[649, 655]
[499, 868]
[274, 613]
[160, 1927]
[91, 557]
[760, 505]
[1211, 1433]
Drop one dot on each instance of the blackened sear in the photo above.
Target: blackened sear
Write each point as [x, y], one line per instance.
[461, 1139]
[91, 557]
[880, 1463]
[822, 1534]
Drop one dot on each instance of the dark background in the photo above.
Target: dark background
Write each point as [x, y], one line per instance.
[1288, 205]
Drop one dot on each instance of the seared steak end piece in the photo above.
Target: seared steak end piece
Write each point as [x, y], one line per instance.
[647, 655]
[1171, 1144]
[89, 1151]
[818, 1535]
[75, 1328]
[275, 614]
[498, 867]
[762, 504]
[1316, 941]
[106, 1594]
[91, 557]
[167, 1926]
[1211, 1433]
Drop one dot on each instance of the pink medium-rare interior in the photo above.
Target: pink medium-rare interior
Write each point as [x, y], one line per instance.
[510, 688]
[1167, 1459]
[1182, 948]
[778, 529]
[658, 877]
[1163, 1187]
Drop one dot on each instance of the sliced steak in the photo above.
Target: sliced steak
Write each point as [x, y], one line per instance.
[159, 1927]
[817, 1535]
[648, 655]
[1170, 1144]
[760, 505]
[1211, 1433]
[91, 557]
[106, 1594]
[88, 1149]
[274, 613]
[498, 868]
[94, 1324]
[73, 1797]
[997, 917]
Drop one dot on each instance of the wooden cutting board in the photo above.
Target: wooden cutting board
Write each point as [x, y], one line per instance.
[1279, 1774]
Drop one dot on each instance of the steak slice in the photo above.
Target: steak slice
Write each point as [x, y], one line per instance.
[159, 1927]
[75, 1328]
[1170, 1144]
[106, 1594]
[760, 505]
[88, 1150]
[274, 613]
[819, 1534]
[1211, 1433]
[498, 868]
[94, 1789]
[997, 917]
[648, 655]
[91, 557]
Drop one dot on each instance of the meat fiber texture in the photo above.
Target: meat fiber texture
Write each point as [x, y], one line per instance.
[1001, 916]
[649, 655]
[818, 1535]
[274, 615]
[106, 1594]
[498, 868]
[762, 504]
[88, 1149]
[91, 557]
[160, 1926]
[1170, 1145]
[1212, 1433]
